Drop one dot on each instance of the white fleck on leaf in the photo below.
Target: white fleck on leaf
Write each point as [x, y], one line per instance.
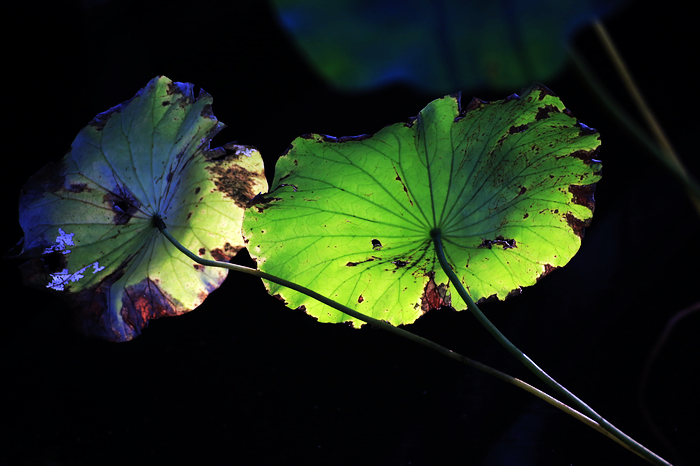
[62, 240]
[59, 279]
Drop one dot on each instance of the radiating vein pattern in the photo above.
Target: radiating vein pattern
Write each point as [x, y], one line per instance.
[509, 184]
[146, 157]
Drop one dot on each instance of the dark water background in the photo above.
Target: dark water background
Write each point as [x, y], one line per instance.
[243, 380]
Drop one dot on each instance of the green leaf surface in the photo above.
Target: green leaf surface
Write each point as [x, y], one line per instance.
[440, 45]
[88, 220]
[509, 184]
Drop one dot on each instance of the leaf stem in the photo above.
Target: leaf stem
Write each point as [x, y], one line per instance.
[396, 331]
[542, 375]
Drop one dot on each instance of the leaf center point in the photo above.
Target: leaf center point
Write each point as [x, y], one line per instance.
[435, 233]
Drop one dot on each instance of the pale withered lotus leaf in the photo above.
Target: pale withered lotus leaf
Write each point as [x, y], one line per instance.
[89, 219]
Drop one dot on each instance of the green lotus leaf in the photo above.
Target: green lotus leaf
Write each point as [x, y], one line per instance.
[508, 183]
[89, 221]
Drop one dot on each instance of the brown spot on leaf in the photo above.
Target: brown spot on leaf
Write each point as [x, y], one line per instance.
[499, 241]
[543, 112]
[145, 301]
[398, 178]
[172, 88]
[434, 296]
[279, 297]
[516, 292]
[198, 267]
[587, 156]
[354, 264]
[583, 195]
[201, 251]
[79, 188]
[261, 202]
[92, 313]
[488, 299]
[548, 268]
[543, 91]
[475, 104]
[360, 299]
[224, 255]
[207, 112]
[123, 204]
[576, 224]
[376, 245]
[517, 129]
[234, 181]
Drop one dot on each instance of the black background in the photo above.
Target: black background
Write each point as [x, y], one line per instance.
[242, 379]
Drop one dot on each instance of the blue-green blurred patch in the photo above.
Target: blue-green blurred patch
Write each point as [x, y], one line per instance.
[439, 46]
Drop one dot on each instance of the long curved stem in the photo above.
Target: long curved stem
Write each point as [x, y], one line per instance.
[671, 164]
[542, 375]
[664, 152]
[397, 331]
